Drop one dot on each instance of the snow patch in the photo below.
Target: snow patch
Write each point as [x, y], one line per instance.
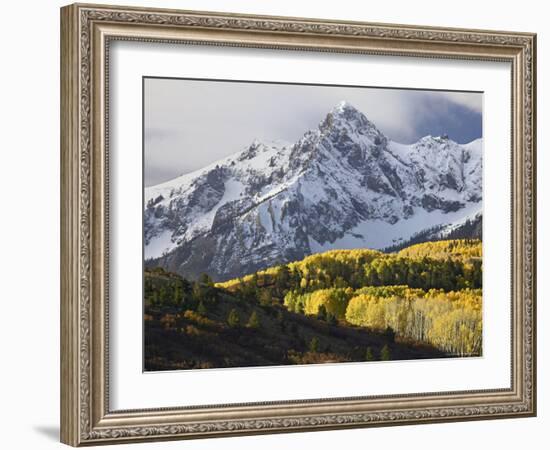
[379, 234]
[159, 245]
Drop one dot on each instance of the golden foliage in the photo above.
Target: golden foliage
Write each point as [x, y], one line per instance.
[451, 321]
[198, 318]
[313, 266]
[459, 249]
[427, 292]
[335, 301]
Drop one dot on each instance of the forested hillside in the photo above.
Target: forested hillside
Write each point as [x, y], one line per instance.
[342, 305]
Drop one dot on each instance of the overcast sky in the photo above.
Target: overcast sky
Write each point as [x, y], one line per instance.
[190, 123]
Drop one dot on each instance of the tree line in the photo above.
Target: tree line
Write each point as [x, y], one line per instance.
[166, 289]
[446, 265]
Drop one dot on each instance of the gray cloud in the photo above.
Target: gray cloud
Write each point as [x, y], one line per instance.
[191, 123]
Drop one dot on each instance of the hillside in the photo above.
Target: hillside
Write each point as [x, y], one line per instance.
[342, 305]
[184, 338]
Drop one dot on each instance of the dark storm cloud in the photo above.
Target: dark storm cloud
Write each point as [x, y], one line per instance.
[189, 123]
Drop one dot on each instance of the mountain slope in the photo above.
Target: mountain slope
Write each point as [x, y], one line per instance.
[342, 185]
[469, 227]
[194, 334]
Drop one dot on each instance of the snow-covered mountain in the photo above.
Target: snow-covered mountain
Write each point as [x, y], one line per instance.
[342, 185]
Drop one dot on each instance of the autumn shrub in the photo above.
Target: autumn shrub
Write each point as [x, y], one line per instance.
[168, 320]
[192, 330]
[198, 318]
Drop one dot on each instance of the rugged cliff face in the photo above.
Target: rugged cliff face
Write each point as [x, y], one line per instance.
[342, 185]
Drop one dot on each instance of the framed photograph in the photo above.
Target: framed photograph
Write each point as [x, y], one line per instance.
[276, 224]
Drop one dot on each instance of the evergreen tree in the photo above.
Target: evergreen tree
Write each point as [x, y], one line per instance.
[314, 345]
[295, 277]
[178, 295]
[477, 275]
[148, 285]
[253, 321]
[389, 334]
[322, 313]
[201, 309]
[331, 319]
[162, 296]
[266, 298]
[233, 319]
[369, 355]
[205, 280]
[197, 292]
[282, 279]
[385, 354]
[155, 299]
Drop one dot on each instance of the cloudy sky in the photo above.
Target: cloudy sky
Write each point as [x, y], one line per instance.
[191, 123]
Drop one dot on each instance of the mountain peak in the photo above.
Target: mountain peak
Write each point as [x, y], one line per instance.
[256, 142]
[346, 118]
[437, 142]
[344, 106]
[346, 111]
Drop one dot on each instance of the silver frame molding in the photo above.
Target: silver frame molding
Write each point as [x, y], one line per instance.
[86, 32]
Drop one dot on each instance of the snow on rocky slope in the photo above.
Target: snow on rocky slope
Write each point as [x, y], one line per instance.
[342, 185]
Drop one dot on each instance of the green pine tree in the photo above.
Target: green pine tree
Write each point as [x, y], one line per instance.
[314, 345]
[389, 334]
[162, 295]
[233, 319]
[178, 295]
[385, 354]
[201, 309]
[266, 297]
[205, 280]
[369, 356]
[155, 299]
[322, 313]
[253, 321]
[331, 319]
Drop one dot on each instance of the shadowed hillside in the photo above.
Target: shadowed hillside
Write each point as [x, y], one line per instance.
[338, 306]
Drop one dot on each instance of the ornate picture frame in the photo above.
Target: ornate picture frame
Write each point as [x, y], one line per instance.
[87, 31]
